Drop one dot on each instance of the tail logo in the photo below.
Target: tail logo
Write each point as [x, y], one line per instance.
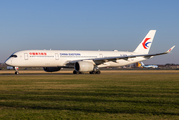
[145, 43]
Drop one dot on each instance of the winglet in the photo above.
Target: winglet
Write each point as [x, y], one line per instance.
[170, 49]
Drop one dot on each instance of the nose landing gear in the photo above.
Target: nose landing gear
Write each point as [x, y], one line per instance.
[16, 70]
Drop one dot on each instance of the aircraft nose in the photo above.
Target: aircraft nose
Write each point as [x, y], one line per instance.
[8, 62]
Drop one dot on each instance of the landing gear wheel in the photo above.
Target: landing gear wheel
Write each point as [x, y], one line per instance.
[16, 72]
[98, 72]
[95, 72]
[76, 72]
[92, 72]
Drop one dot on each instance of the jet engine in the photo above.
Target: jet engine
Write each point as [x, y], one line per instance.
[84, 66]
[51, 69]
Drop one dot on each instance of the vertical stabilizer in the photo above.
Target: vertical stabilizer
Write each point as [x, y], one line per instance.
[146, 43]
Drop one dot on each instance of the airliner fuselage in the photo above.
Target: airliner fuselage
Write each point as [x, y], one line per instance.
[82, 61]
[56, 58]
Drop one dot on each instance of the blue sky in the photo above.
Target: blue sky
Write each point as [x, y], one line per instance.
[89, 25]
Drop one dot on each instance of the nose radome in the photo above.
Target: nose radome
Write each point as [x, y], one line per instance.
[8, 62]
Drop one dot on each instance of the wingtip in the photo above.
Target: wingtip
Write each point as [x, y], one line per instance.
[170, 49]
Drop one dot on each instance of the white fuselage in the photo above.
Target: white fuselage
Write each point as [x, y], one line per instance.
[60, 58]
[82, 61]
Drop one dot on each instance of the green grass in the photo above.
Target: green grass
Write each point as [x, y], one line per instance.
[105, 96]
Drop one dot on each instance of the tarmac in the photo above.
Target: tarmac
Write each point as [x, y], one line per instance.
[70, 72]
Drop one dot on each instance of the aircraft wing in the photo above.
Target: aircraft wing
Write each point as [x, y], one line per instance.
[168, 51]
[99, 61]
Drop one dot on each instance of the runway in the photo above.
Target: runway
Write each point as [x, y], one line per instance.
[70, 72]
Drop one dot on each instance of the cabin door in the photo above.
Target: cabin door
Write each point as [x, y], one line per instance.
[56, 56]
[26, 56]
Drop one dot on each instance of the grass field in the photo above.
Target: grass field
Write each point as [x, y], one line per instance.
[118, 95]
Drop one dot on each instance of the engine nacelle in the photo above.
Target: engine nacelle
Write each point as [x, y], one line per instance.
[84, 66]
[51, 69]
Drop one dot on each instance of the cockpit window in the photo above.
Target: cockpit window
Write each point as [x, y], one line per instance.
[13, 56]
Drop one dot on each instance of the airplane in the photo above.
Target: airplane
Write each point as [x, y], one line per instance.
[148, 66]
[82, 61]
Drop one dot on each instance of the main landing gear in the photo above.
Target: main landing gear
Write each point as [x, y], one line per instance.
[92, 72]
[95, 72]
[76, 72]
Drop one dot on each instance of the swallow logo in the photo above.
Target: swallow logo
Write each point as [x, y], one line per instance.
[145, 43]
